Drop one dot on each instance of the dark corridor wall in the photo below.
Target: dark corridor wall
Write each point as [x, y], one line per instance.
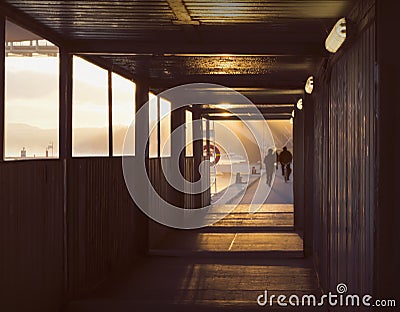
[345, 160]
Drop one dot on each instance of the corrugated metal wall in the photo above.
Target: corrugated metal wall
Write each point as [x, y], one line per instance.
[32, 226]
[158, 231]
[344, 165]
[106, 232]
[52, 253]
[193, 200]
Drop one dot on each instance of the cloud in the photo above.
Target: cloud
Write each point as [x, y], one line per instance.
[27, 85]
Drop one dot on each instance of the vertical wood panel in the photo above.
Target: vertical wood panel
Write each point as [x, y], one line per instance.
[31, 218]
[345, 169]
[387, 214]
[104, 228]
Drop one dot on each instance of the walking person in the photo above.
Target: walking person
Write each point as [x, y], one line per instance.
[285, 158]
[269, 161]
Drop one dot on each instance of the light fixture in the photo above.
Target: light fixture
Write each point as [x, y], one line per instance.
[292, 113]
[309, 85]
[291, 121]
[337, 36]
[299, 104]
[224, 105]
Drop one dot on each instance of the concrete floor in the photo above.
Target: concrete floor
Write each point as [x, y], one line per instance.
[224, 267]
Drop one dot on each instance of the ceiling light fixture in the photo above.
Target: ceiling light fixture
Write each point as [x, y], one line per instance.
[309, 85]
[299, 104]
[225, 105]
[337, 36]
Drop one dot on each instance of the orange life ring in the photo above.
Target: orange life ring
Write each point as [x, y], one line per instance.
[215, 152]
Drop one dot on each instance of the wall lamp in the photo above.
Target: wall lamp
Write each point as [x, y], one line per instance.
[309, 85]
[337, 36]
[299, 104]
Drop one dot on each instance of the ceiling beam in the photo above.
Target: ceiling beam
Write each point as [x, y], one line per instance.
[181, 13]
[126, 47]
[245, 117]
[243, 110]
[280, 81]
[26, 21]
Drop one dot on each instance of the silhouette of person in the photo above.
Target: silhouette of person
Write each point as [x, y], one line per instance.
[269, 161]
[285, 158]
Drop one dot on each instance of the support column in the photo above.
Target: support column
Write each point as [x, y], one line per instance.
[208, 138]
[387, 213]
[65, 133]
[110, 116]
[308, 173]
[2, 86]
[178, 138]
[141, 138]
[197, 151]
[65, 144]
[298, 169]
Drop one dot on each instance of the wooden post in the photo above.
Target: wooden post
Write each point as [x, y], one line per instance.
[65, 115]
[197, 151]
[2, 86]
[176, 197]
[298, 169]
[141, 137]
[308, 173]
[387, 213]
[110, 116]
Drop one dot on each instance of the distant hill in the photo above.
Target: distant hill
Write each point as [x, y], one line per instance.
[94, 141]
[34, 139]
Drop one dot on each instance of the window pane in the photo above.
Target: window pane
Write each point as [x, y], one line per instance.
[31, 95]
[123, 106]
[90, 109]
[165, 127]
[189, 134]
[153, 126]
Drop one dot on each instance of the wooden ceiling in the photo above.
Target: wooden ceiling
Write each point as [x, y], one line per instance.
[270, 47]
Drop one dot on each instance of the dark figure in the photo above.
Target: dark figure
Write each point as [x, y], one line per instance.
[285, 158]
[269, 161]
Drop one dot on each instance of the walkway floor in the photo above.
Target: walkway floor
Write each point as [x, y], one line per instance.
[224, 267]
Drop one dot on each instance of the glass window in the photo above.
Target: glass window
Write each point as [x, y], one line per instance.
[189, 134]
[31, 95]
[123, 116]
[89, 109]
[165, 127]
[153, 125]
